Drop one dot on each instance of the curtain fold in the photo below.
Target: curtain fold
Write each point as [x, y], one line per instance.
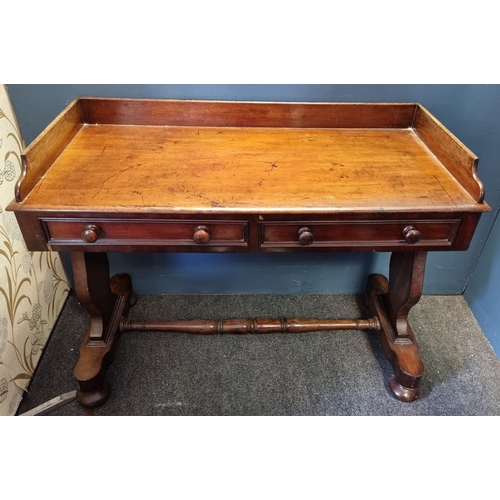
[33, 285]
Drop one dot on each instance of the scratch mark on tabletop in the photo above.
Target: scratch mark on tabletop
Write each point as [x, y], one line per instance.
[111, 177]
[443, 188]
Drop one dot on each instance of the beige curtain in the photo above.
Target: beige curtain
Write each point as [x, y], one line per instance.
[33, 285]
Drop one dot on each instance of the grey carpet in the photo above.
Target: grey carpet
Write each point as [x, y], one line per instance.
[324, 373]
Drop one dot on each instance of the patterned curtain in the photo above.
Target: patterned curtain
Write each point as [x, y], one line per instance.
[33, 285]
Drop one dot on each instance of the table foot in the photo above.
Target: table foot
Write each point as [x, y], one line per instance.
[107, 302]
[404, 394]
[93, 399]
[391, 300]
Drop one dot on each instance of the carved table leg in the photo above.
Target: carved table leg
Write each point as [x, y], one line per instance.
[107, 301]
[391, 301]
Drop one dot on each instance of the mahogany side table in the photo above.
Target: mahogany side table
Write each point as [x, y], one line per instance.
[136, 175]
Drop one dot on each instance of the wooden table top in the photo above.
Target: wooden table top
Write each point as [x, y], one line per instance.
[190, 169]
[169, 175]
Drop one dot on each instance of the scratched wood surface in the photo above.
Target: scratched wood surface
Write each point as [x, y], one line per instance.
[250, 170]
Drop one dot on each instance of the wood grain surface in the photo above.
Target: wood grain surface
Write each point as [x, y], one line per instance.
[149, 175]
[246, 114]
[245, 169]
[43, 151]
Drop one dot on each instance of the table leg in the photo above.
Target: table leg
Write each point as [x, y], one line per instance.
[107, 301]
[392, 301]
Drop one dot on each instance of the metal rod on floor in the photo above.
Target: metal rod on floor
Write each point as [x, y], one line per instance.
[51, 405]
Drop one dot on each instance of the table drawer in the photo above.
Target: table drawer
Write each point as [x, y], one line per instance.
[348, 234]
[130, 232]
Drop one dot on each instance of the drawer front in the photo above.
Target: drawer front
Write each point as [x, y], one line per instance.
[351, 234]
[112, 233]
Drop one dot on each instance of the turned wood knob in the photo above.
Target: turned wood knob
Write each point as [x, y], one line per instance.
[411, 234]
[90, 234]
[201, 235]
[306, 236]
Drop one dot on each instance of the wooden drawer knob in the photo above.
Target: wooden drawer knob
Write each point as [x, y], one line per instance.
[201, 235]
[412, 235]
[306, 236]
[90, 234]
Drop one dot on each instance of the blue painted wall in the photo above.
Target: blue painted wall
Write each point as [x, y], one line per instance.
[469, 111]
[483, 292]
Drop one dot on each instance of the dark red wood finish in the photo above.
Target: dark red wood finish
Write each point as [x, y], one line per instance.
[135, 175]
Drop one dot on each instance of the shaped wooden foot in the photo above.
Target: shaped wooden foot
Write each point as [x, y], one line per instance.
[391, 301]
[107, 301]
